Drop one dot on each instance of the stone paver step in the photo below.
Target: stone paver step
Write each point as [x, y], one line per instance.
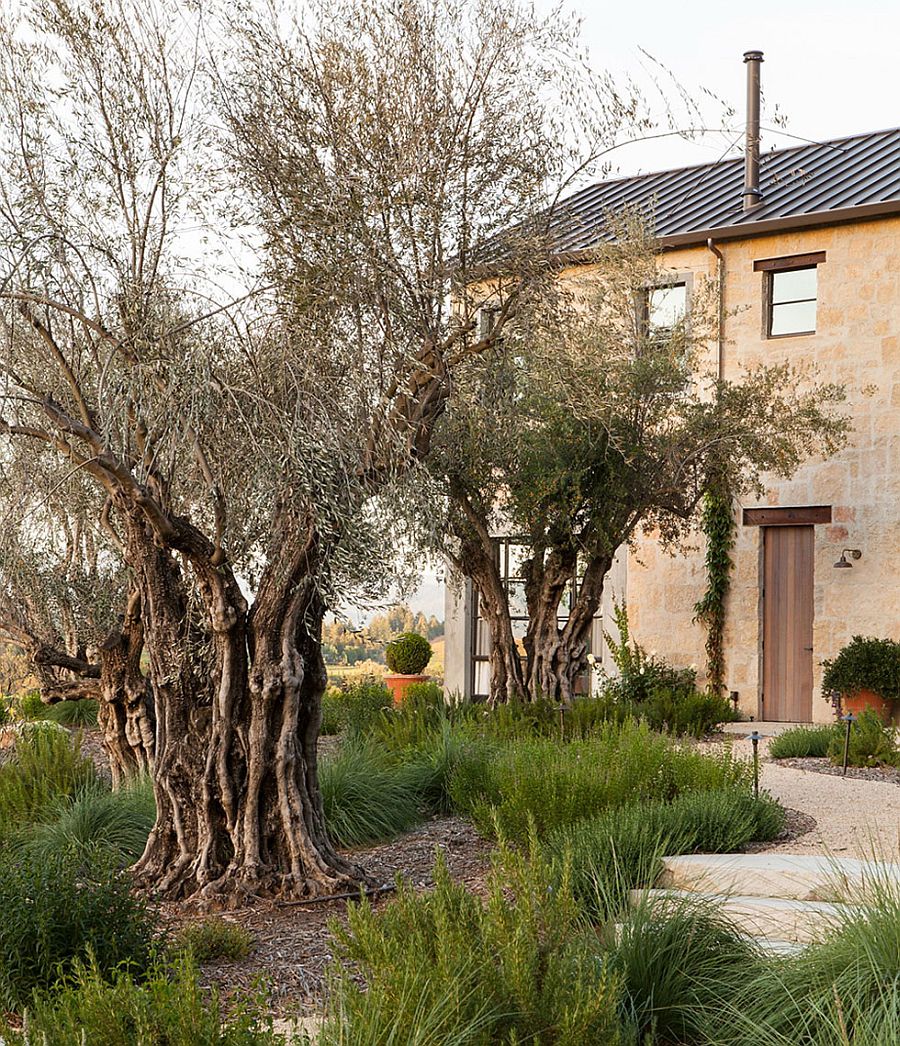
[763, 918]
[789, 876]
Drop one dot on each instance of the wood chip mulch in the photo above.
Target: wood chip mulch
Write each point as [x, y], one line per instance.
[885, 774]
[293, 944]
[796, 824]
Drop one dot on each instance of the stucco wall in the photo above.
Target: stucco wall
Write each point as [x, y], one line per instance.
[857, 344]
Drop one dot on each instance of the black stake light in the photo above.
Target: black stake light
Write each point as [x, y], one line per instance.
[849, 719]
[755, 738]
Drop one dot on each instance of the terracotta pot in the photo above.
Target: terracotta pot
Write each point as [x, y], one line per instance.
[863, 699]
[399, 684]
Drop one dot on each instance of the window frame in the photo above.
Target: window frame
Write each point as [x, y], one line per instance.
[673, 279]
[770, 267]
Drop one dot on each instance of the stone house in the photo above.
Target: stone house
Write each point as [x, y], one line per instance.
[805, 242]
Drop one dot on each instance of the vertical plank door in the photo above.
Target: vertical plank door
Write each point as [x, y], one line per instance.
[787, 624]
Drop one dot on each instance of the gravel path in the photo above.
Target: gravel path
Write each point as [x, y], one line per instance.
[854, 818]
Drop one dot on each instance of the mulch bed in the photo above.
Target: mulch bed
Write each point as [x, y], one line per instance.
[293, 943]
[885, 774]
[796, 824]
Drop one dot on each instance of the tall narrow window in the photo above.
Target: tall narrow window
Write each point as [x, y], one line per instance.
[791, 291]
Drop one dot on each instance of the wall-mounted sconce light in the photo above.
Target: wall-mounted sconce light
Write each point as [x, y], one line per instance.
[843, 562]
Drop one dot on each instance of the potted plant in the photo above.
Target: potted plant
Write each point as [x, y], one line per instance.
[406, 657]
[866, 674]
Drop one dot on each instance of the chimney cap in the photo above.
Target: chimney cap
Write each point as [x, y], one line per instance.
[753, 56]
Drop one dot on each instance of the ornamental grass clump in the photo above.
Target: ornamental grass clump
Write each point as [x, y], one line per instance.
[622, 849]
[366, 797]
[843, 988]
[408, 654]
[117, 822]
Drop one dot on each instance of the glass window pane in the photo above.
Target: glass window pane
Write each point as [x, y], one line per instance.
[517, 604]
[796, 318]
[482, 680]
[482, 637]
[666, 306]
[517, 555]
[798, 285]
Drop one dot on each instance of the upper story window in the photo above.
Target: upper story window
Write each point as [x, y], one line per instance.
[791, 293]
[665, 307]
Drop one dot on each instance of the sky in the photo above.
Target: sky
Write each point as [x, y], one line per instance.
[832, 69]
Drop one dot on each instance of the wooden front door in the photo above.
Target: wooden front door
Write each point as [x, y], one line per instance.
[787, 624]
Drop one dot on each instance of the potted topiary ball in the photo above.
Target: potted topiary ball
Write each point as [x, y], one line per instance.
[866, 674]
[406, 657]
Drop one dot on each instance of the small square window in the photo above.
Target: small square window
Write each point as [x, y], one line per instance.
[792, 295]
[666, 307]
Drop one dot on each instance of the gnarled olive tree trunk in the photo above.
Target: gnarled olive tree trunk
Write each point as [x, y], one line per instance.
[558, 656]
[126, 712]
[239, 812]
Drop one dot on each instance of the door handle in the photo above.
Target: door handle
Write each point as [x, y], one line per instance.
[808, 648]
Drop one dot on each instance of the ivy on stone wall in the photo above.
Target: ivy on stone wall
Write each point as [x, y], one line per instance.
[719, 526]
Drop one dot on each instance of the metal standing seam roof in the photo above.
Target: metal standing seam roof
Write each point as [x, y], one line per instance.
[819, 179]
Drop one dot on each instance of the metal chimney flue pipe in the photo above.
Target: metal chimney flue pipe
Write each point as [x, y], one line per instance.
[752, 195]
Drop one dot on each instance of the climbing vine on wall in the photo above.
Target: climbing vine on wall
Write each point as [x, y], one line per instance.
[719, 526]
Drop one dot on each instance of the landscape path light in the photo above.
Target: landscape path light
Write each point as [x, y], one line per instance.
[849, 719]
[755, 738]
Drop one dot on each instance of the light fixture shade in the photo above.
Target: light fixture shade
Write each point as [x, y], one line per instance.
[843, 563]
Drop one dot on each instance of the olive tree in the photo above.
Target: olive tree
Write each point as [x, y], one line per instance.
[585, 425]
[225, 288]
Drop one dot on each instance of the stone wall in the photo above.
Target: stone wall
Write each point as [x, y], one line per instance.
[857, 344]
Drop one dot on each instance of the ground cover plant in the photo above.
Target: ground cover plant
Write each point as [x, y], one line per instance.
[213, 939]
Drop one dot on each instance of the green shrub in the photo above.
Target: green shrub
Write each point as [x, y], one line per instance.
[871, 743]
[408, 654]
[686, 713]
[641, 674]
[676, 964]
[47, 765]
[5, 713]
[865, 663]
[802, 742]
[361, 704]
[63, 908]
[31, 706]
[622, 849]
[507, 787]
[214, 939]
[167, 1008]
[449, 967]
[366, 798]
[331, 712]
[118, 822]
[73, 713]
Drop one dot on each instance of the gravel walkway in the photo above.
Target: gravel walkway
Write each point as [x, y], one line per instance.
[854, 818]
